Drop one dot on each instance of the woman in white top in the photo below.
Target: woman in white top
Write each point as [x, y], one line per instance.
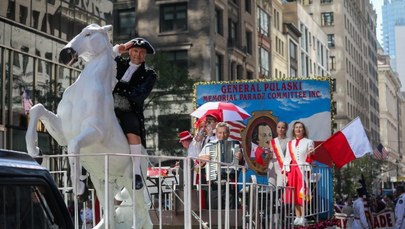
[278, 147]
[296, 166]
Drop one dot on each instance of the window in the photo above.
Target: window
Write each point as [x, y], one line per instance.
[249, 75]
[307, 2]
[276, 19]
[279, 46]
[178, 58]
[327, 18]
[35, 18]
[332, 63]
[239, 71]
[23, 15]
[326, 1]
[248, 6]
[293, 59]
[233, 71]
[126, 21]
[293, 71]
[331, 40]
[219, 65]
[293, 51]
[29, 204]
[219, 21]
[232, 32]
[173, 17]
[249, 42]
[264, 62]
[264, 20]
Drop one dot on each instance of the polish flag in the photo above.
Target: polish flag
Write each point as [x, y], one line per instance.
[349, 143]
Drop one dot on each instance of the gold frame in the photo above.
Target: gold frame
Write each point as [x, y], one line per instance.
[258, 117]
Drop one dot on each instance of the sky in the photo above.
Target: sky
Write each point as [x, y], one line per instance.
[377, 6]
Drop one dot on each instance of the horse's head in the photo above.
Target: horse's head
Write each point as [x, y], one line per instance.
[89, 43]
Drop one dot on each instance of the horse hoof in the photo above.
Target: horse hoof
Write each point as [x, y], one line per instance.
[138, 182]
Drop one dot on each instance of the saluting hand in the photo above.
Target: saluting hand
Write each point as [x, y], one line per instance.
[122, 48]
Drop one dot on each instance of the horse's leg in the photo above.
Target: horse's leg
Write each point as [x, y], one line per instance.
[141, 199]
[100, 185]
[86, 137]
[52, 124]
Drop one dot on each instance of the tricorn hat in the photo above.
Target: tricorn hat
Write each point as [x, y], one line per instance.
[142, 43]
[185, 135]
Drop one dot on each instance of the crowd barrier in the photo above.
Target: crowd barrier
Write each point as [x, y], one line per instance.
[177, 201]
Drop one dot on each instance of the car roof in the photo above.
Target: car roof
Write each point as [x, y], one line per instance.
[14, 159]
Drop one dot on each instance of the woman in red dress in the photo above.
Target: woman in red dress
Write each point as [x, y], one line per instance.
[296, 164]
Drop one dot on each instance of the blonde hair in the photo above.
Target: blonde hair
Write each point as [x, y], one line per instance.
[223, 124]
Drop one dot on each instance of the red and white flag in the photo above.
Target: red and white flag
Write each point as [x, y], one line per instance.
[349, 143]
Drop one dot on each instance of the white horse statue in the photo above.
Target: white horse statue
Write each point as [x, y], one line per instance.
[86, 123]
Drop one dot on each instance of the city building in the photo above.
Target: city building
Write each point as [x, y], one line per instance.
[33, 32]
[311, 51]
[351, 30]
[400, 53]
[391, 101]
[393, 18]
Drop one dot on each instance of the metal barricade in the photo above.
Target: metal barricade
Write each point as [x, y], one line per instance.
[227, 201]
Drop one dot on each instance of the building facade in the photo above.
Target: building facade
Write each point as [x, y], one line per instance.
[393, 15]
[400, 54]
[311, 50]
[351, 30]
[390, 102]
[33, 32]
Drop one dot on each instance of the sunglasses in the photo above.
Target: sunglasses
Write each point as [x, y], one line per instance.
[210, 121]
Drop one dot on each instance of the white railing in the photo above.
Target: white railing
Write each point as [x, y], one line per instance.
[241, 204]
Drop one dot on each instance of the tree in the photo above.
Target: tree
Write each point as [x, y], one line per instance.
[173, 81]
[346, 178]
[174, 86]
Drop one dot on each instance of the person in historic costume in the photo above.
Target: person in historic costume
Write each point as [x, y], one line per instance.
[135, 83]
[400, 208]
[359, 212]
[278, 147]
[297, 168]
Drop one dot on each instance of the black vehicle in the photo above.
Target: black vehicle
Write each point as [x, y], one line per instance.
[29, 197]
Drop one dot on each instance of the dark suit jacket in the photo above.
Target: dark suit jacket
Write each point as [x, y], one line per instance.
[137, 89]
